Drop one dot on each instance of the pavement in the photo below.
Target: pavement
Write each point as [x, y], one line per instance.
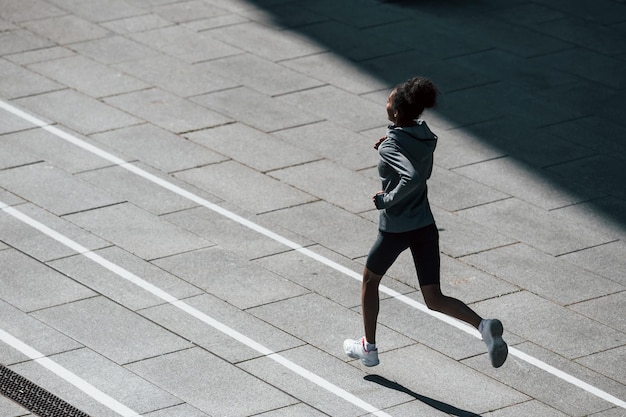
[186, 205]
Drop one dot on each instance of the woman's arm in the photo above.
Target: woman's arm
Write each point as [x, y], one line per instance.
[409, 176]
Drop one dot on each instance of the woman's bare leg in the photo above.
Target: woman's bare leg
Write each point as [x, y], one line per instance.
[370, 303]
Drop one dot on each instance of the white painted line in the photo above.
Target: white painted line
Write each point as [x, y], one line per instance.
[67, 375]
[328, 262]
[165, 296]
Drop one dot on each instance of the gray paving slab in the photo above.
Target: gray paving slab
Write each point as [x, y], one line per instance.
[88, 76]
[612, 412]
[243, 104]
[183, 410]
[99, 11]
[528, 408]
[114, 50]
[338, 106]
[261, 74]
[605, 215]
[245, 187]
[520, 40]
[62, 389]
[495, 63]
[193, 374]
[332, 183]
[537, 148]
[58, 191]
[111, 330]
[435, 39]
[452, 191]
[118, 289]
[167, 111]
[232, 236]
[10, 123]
[587, 64]
[547, 388]
[296, 13]
[130, 187]
[605, 364]
[296, 410]
[447, 380]
[336, 70]
[136, 24]
[346, 40]
[78, 111]
[216, 22]
[533, 226]
[251, 147]
[21, 40]
[138, 231]
[555, 328]
[459, 236]
[324, 223]
[605, 132]
[9, 408]
[605, 260]
[45, 146]
[40, 55]
[116, 381]
[607, 310]
[544, 275]
[158, 147]
[29, 10]
[13, 155]
[315, 276]
[265, 41]
[216, 341]
[332, 325]
[31, 331]
[608, 178]
[41, 247]
[352, 150]
[176, 76]
[185, 44]
[20, 82]
[30, 285]
[66, 29]
[230, 277]
[331, 369]
[189, 10]
[460, 147]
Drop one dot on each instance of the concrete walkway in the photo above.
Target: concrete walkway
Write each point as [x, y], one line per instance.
[186, 205]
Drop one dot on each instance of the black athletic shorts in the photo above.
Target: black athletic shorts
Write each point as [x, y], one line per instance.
[424, 245]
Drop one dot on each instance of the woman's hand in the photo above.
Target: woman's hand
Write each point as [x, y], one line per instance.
[375, 196]
[381, 140]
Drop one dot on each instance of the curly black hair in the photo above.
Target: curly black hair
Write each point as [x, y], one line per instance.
[415, 95]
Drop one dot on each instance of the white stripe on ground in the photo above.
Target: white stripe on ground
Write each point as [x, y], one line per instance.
[165, 296]
[67, 375]
[328, 262]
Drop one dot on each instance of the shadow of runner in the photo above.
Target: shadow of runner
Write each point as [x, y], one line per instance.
[441, 406]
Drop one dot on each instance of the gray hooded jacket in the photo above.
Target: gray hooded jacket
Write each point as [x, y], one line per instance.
[406, 162]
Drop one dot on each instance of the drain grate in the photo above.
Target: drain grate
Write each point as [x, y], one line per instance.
[34, 398]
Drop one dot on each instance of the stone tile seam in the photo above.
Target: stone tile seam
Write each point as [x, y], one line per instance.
[220, 210]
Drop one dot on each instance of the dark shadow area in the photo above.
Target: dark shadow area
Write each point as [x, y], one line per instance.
[540, 83]
[441, 406]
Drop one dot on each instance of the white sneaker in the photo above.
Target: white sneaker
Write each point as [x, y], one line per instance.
[492, 336]
[356, 349]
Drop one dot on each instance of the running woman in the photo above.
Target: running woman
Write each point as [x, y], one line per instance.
[406, 221]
